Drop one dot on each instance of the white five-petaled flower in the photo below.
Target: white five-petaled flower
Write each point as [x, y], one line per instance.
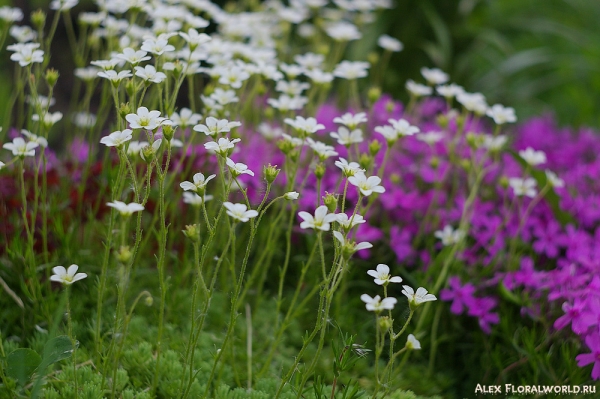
[66, 276]
[430, 137]
[494, 143]
[114, 77]
[501, 114]
[351, 70]
[144, 119]
[157, 46]
[240, 212]
[20, 148]
[149, 74]
[349, 168]
[474, 102]
[199, 184]
[133, 57]
[222, 146]
[117, 139]
[524, 187]
[184, 118]
[382, 275]
[63, 5]
[389, 43]
[194, 199]
[367, 185]
[346, 137]
[126, 209]
[194, 39]
[49, 119]
[215, 126]
[449, 236]
[412, 342]
[32, 137]
[291, 195]
[351, 120]
[347, 222]
[417, 89]
[417, 298]
[434, 76]
[533, 157]
[554, 180]
[322, 150]
[349, 245]
[389, 133]
[450, 91]
[26, 54]
[2, 165]
[403, 127]
[305, 125]
[377, 304]
[320, 221]
[238, 168]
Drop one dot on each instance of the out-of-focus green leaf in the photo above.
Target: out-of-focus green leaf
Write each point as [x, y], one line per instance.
[21, 363]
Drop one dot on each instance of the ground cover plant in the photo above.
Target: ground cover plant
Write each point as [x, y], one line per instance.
[242, 213]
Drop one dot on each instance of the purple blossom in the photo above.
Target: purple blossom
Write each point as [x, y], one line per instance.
[460, 296]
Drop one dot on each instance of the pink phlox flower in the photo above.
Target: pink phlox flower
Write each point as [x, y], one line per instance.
[578, 315]
[480, 308]
[593, 342]
[460, 295]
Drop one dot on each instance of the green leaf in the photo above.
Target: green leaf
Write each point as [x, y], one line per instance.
[551, 198]
[509, 295]
[57, 349]
[21, 363]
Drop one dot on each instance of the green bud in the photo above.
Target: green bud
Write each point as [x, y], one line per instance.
[443, 121]
[168, 132]
[365, 161]
[465, 164]
[389, 106]
[261, 88]
[320, 171]
[285, 146]
[331, 201]
[51, 77]
[38, 19]
[147, 153]
[504, 182]
[374, 147]
[434, 162]
[373, 58]
[124, 254]
[269, 113]
[395, 178]
[374, 94]
[124, 110]
[460, 122]
[178, 69]
[130, 87]
[270, 172]
[149, 300]
[385, 323]
[192, 231]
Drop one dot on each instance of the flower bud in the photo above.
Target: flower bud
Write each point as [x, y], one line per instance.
[465, 164]
[395, 178]
[365, 161]
[460, 122]
[374, 147]
[389, 106]
[38, 19]
[149, 300]
[285, 146]
[147, 153]
[124, 110]
[442, 120]
[168, 131]
[124, 254]
[192, 231]
[292, 195]
[269, 113]
[373, 58]
[260, 88]
[178, 69]
[51, 77]
[472, 140]
[270, 172]
[374, 94]
[130, 87]
[434, 162]
[385, 323]
[503, 182]
[330, 200]
[320, 170]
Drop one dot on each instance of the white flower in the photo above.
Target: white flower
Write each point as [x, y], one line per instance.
[492, 143]
[382, 275]
[37, 139]
[449, 236]
[222, 146]
[199, 184]
[157, 46]
[2, 164]
[412, 342]
[403, 128]
[291, 195]
[66, 276]
[27, 54]
[114, 77]
[144, 119]
[322, 150]
[286, 103]
[349, 246]
[318, 76]
[343, 31]
[185, 118]
[291, 88]
[434, 76]
[268, 131]
[84, 119]
[238, 168]
[151, 150]
[389, 43]
[349, 169]
[389, 133]
[133, 57]
[501, 114]
[63, 5]
[417, 89]
[107, 65]
[351, 70]
[224, 97]
[347, 138]
[294, 141]
[554, 180]
[194, 199]
[533, 157]
[215, 126]
[149, 73]
[474, 102]
[194, 39]
[305, 125]
[233, 76]
[20, 148]
[351, 120]
[309, 60]
[135, 147]
[524, 187]
[49, 118]
[10, 14]
[117, 139]
[430, 137]
[415, 299]
[347, 222]
[449, 91]
[291, 70]
[377, 304]
[126, 209]
[321, 220]
[22, 34]
[367, 186]
[240, 212]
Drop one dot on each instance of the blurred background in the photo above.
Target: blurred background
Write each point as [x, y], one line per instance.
[538, 56]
